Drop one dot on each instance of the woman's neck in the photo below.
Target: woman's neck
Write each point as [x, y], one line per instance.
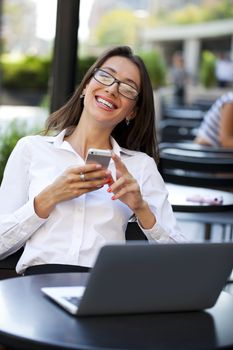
[84, 137]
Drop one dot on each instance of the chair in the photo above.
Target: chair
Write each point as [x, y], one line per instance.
[189, 164]
[175, 130]
[179, 123]
[7, 265]
[185, 113]
[134, 233]
[195, 165]
[203, 104]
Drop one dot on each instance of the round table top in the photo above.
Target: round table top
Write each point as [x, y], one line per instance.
[198, 199]
[29, 320]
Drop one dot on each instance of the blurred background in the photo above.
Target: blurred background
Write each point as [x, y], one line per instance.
[185, 45]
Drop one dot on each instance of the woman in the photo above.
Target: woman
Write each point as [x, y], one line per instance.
[217, 127]
[62, 210]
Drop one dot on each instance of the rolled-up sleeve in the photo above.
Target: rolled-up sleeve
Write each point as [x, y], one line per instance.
[155, 193]
[18, 220]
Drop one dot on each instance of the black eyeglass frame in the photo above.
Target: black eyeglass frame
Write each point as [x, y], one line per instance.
[115, 81]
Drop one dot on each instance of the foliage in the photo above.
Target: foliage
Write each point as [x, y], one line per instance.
[196, 14]
[8, 140]
[155, 66]
[84, 63]
[222, 10]
[117, 27]
[33, 72]
[17, 17]
[190, 13]
[207, 70]
[29, 72]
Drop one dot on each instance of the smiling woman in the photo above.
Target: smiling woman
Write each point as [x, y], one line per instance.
[63, 210]
[125, 89]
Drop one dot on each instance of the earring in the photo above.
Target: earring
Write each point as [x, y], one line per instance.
[81, 96]
[127, 121]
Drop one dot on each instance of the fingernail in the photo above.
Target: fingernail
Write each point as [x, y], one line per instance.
[113, 198]
[109, 190]
[98, 166]
[107, 181]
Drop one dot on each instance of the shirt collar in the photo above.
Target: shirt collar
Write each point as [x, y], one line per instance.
[59, 142]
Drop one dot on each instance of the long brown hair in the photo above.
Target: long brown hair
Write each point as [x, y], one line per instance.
[140, 134]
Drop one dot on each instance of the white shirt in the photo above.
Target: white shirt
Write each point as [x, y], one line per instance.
[76, 229]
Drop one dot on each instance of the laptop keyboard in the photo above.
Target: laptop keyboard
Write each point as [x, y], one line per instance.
[73, 300]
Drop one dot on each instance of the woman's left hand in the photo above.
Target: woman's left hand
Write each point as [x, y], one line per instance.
[125, 188]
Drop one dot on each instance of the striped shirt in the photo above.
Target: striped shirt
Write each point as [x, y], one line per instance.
[210, 127]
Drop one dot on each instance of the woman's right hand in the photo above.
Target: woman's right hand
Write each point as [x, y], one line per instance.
[74, 182]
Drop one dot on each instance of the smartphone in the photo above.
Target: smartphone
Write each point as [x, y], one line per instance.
[99, 156]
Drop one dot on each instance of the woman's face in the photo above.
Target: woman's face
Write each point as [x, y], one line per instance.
[104, 103]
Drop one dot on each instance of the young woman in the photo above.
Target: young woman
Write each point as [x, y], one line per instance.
[62, 210]
[217, 127]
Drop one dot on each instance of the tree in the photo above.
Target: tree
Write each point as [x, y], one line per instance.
[223, 10]
[195, 14]
[18, 26]
[155, 66]
[117, 27]
[207, 70]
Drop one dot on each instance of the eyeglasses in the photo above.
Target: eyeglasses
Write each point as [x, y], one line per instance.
[107, 79]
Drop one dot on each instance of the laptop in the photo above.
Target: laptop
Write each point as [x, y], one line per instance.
[138, 277]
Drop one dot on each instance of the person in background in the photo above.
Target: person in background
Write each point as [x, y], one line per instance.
[179, 78]
[224, 71]
[62, 210]
[217, 126]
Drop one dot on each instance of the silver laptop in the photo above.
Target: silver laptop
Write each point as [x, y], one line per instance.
[139, 277]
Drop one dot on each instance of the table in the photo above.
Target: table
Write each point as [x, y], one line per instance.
[198, 212]
[178, 195]
[32, 321]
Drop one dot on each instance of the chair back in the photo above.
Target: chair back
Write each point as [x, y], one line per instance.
[7, 265]
[175, 130]
[194, 165]
[179, 123]
[182, 113]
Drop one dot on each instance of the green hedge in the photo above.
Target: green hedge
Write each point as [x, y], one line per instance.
[207, 69]
[30, 72]
[33, 73]
[155, 66]
[83, 65]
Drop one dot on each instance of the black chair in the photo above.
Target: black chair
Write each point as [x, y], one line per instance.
[179, 123]
[134, 233]
[176, 130]
[195, 165]
[196, 147]
[185, 113]
[7, 265]
[203, 104]
[190, 164]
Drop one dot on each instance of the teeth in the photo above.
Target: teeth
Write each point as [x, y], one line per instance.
[106, 103]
